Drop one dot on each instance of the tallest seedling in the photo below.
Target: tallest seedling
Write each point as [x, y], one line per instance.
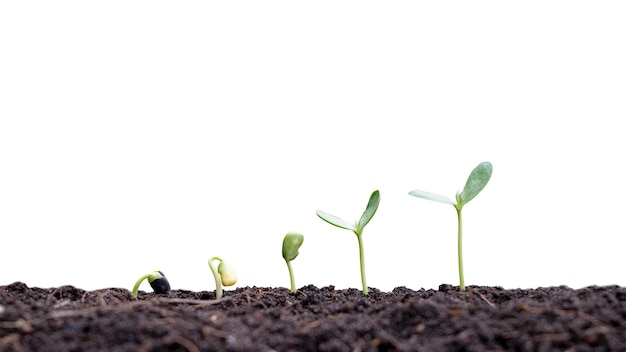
[476, 181]
[357, 228]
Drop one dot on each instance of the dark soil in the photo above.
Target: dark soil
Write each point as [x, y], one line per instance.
[315, 319]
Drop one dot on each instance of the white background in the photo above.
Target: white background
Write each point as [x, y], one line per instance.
[143, 135]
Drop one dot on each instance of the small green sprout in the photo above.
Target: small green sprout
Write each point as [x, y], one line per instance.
[357, 228]
[291, 244]
[157, 281]
[476, 181]
[224, 275]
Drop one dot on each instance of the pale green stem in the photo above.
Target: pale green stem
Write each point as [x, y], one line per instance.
[136, 288]
[362, 259]
[216, 275]
[291, 277]
[460, 248]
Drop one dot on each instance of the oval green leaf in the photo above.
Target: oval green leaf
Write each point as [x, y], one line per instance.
[370, 210]
[291, 245]
[431, 196]
[335, 221]
[476, 181]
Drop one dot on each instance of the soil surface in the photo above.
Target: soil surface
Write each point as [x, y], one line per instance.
[314, 319]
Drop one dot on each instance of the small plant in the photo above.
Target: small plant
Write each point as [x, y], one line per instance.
[224, 275]
[157, 281]
[357, 228]
[476, 181]
[291, 244]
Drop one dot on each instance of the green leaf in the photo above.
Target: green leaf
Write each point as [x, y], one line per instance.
[291, 244]
[370, 210]
[431, 196]
[333, 220]
[476, 181]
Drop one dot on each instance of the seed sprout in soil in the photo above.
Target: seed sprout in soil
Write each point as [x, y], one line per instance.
[291, 245]
[357, 228]
[476, 181]
[157, 281]
[224, 275]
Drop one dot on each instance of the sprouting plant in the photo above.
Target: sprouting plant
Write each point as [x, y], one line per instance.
[357, 228]
[476, 181]
[224, 275]
[291, 244]
[157, 281]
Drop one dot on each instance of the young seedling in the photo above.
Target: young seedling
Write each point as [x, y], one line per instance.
[476, 181]
[157, 281]
[357, 228]
[224, 275]
[291, 244]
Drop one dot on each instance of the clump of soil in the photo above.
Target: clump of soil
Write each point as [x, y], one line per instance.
[314, 319]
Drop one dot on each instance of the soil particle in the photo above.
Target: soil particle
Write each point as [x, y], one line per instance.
[314, 319]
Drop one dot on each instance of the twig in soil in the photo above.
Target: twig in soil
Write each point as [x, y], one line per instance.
[485, 299]
[190, 301]
[190, 346]
[388, 338]
[311, 326]
[207, 330]
[180, 322]
[23, 325]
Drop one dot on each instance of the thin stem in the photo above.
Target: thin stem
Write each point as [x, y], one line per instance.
[136, 288]
[216, 275]
[291, 277]
[460, 248]
[362, 259]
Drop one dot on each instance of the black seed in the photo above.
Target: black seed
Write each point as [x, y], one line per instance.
[160, 285]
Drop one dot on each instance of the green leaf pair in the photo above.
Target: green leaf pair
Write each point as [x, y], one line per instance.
[476, 181]
[357, 228]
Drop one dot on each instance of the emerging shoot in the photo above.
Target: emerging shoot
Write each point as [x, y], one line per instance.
[476, 181]
[357, 228]
[224, 275]
[291, 244]
[157, 281]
